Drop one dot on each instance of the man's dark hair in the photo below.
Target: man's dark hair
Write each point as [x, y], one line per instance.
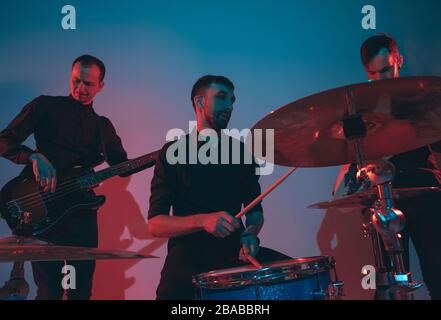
[87, 60]
[205, 81]
[370, 48]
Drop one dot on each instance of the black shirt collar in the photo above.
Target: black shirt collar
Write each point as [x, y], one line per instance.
[88, 106]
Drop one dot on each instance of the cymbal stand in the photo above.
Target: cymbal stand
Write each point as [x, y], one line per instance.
[384, 221]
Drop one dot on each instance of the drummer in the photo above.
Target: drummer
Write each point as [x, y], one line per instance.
[204, 234]
[417, 168]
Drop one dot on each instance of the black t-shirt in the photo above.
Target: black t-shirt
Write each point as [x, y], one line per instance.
[203, 188]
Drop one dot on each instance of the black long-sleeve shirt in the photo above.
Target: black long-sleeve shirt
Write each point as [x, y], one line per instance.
[66, 132]
[417, 168]
[199, 188]
[203, 188]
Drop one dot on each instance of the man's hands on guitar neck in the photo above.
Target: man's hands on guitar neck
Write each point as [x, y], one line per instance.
[45, 173]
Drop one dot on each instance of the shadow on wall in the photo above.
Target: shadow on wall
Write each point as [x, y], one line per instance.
[340, 236]
[121, 224]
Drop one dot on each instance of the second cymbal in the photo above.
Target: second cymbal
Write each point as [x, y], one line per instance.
[367, 198]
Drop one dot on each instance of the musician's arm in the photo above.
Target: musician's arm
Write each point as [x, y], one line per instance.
[250, 190]
[254, 221]
[163, 225]
[20, 128]
[112, 143]
[219, 224]
[163, 191]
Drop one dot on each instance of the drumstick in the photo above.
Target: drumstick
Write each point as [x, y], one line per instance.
[254, 261]
[265, 193]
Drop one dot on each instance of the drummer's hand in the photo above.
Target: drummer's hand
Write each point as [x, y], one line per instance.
[250, 245]
[219, 224]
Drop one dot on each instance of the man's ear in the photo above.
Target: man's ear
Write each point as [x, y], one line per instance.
[199, 101]
[400, 61]
[102, 85]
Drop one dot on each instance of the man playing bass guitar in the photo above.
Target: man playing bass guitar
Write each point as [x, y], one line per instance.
[68, 134]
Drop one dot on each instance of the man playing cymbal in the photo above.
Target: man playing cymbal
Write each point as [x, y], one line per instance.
[417, 168]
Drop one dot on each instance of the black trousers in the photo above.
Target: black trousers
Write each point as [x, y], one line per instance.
[185, 261]
[78, 229]
[423, 227]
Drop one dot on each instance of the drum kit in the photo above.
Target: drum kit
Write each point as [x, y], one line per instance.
[358, 124]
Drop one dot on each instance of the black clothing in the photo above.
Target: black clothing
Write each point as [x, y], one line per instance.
[68, 134]
[417, 168]
[195, 189]
[79, 229]
[198, 188]
[423, 224]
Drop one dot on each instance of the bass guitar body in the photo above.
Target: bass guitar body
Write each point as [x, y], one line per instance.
[31, 212]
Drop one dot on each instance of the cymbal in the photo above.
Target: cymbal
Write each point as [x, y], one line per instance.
[367, 198]
[33, 249]
[400, 115]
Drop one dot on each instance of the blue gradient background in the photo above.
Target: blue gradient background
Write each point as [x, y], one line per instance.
[274, 51]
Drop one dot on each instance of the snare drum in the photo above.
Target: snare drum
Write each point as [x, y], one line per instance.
[296, 279]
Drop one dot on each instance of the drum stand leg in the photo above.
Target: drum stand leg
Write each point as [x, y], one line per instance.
[335, 289]
[392, 282]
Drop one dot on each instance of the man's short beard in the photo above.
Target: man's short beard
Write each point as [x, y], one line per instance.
[221, 126]
[213, 124]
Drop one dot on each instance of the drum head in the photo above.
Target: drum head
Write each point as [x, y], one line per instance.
[273, 272]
